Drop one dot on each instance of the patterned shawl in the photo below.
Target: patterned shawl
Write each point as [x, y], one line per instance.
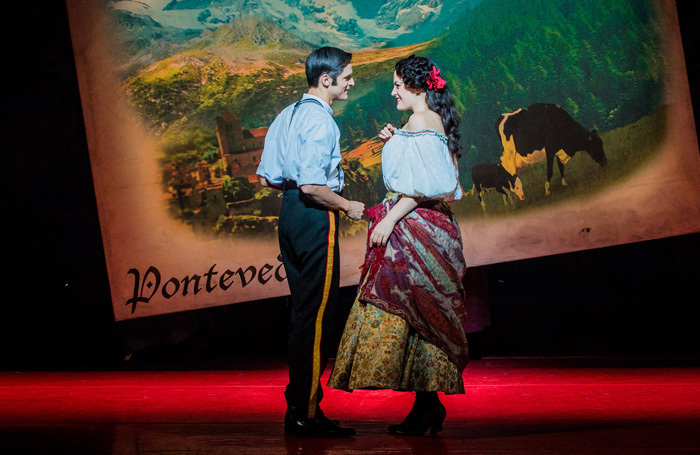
[418, 275]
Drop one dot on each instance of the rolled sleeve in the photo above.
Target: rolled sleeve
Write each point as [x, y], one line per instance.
[273, 155]
[318, 141]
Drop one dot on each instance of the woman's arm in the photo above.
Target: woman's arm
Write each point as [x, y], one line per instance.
[382, 231]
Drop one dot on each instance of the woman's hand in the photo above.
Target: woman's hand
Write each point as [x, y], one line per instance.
[381, 232]
[387, 132]
[383, 229]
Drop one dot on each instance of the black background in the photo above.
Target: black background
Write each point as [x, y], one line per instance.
[635, 300]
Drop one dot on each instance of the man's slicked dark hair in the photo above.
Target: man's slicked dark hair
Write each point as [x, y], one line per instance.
[326, 60]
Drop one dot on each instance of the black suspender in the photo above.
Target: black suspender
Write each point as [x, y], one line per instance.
[305, 100]
[294, 111]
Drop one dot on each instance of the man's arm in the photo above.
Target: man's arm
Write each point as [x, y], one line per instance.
[325, 197]
[265, 182]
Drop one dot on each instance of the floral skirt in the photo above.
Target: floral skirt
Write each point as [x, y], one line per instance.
[379, 350]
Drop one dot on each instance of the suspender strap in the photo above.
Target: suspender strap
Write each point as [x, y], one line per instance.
[294, 111]
[305, 100]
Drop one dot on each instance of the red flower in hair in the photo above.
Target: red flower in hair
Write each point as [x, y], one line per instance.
[435, 82]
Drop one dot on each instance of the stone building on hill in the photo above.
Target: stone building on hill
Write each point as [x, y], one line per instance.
[240, 149]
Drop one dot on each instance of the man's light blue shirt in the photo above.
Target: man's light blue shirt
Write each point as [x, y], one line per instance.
[306, 150]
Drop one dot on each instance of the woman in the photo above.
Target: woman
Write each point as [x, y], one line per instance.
[406, 330]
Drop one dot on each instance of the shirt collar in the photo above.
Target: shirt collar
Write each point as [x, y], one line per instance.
[327, 106]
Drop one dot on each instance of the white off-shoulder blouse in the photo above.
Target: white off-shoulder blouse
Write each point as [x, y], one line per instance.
[419, 164]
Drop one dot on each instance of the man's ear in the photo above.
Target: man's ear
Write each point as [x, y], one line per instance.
[326, 80]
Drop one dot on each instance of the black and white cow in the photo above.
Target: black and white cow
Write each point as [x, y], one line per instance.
[494, 176]
[545, 131]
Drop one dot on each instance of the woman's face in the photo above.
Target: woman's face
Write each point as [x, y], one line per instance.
[406, 100]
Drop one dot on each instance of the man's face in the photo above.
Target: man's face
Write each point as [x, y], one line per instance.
[343, 83]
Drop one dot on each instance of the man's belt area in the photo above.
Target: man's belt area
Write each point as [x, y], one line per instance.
[288, 184]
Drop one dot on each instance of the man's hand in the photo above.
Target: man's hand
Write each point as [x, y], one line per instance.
[355, 210]
[325, 197]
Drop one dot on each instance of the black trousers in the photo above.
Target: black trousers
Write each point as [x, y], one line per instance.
[308, 238]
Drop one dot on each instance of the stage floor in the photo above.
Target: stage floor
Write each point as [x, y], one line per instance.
[512, 406]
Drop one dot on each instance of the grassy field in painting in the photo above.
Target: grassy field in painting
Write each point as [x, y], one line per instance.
[627, 148]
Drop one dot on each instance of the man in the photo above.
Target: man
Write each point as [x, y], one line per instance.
[302, 158]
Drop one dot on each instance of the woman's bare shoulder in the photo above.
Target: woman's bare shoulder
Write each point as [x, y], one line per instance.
[424, 120]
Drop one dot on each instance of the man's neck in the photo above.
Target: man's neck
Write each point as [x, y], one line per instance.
[318, 92]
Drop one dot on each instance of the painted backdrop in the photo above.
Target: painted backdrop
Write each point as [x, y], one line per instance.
[576, 119]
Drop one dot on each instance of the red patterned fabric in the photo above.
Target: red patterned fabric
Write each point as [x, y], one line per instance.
[418, 275]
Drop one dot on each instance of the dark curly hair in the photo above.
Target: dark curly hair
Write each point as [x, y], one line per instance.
[414, 72]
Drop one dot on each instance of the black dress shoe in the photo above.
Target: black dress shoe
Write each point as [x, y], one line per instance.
[333, 428]
[317, 427]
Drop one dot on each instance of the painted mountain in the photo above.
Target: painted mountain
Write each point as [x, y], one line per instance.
[234, 80]
[154, 29]
[187, 63]
[250, 67]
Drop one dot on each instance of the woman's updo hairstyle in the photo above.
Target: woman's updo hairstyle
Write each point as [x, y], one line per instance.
[415, 72]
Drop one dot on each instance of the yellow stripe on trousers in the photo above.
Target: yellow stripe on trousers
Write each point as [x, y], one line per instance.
[316, 373]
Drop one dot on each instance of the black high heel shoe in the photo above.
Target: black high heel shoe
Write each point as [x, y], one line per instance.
[420, 419]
